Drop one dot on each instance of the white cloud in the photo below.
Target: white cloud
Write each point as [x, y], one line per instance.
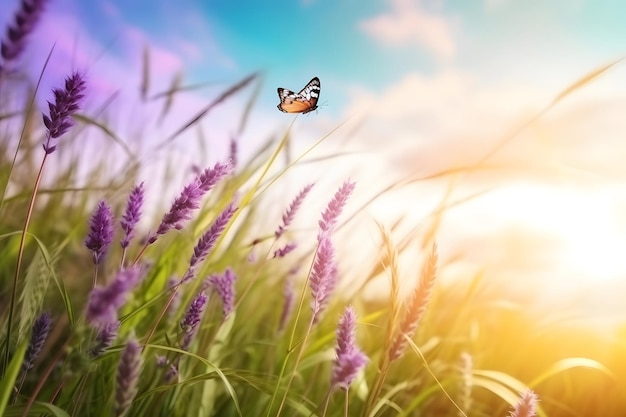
[410, 23]
[555, 191]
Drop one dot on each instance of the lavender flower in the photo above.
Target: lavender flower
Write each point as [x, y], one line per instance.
[211, 176]
[331, 283]
[289, 295]
[107, 333]
[192, 318]
[133, 214]
[66, 102]
[323, 267]
[350, 360]
[100, 232]
[417, 305]
[161, 361]
[282, 252]
[291, 211]
[41, 328]
[335, 207]
[105, 301]
[189, 199]
[208, 240]
[127, 378]
[346, 332]
[526, 406]
[324, 275]
[171, 374]
[25, 20]
[225, 287]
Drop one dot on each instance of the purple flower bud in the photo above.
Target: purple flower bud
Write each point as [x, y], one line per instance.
[171, 374]
[107, 333]
[322, 273]
[416, 307]
[291, 211]
[331, 283]
[192, 318]
[211, 176]
[24, 23]
[335, 207]
[66, 102]
[225, 287]
[127, 378]
[282, 252]
[41, 328]
[346, 368]
[182, 207]
[162, 361]
[189, 199]
[526, 406]
[105, 301]
[207, 241]
[100, 232]
[350, 360]
[346, 332]
[133, 214]
[289, 297]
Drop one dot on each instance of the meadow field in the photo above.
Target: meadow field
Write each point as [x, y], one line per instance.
[206, 290]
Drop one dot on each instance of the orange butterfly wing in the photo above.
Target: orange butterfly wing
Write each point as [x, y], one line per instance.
[303, 102]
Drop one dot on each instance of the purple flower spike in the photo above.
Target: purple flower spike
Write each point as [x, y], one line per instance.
[182, 207]
[211, 176]
[291, 211]
[526, 406]
[282, 252]
[331, 283]
[289, 296]
[335, 207]
[207, 241]
[225, 287]
[24, 23]
[133, 214]
[127, 378]
[105, 301]
[41, 328]
[346, 332]
[346, 369]
[66, 102]
[322, 273]
[350, 360]
[107, 333]
[100, 232]
[189, 199]
[192, 318]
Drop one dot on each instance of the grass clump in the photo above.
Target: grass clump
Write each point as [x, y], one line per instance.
[110, 313]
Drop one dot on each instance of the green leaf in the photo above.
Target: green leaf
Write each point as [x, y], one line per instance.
[8, 381]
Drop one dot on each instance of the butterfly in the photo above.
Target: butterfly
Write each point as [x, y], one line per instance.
[303, 102]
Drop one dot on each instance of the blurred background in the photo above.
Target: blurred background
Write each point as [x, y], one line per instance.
[484, 122]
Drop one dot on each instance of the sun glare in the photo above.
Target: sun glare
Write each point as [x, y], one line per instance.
[585, 220]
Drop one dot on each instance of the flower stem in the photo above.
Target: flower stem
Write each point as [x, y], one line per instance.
[20, 255]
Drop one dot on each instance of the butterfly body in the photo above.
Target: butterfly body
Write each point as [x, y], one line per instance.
[303, 102]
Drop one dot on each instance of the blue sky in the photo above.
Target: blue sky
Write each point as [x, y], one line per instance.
[424, 85]
[350, 43]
